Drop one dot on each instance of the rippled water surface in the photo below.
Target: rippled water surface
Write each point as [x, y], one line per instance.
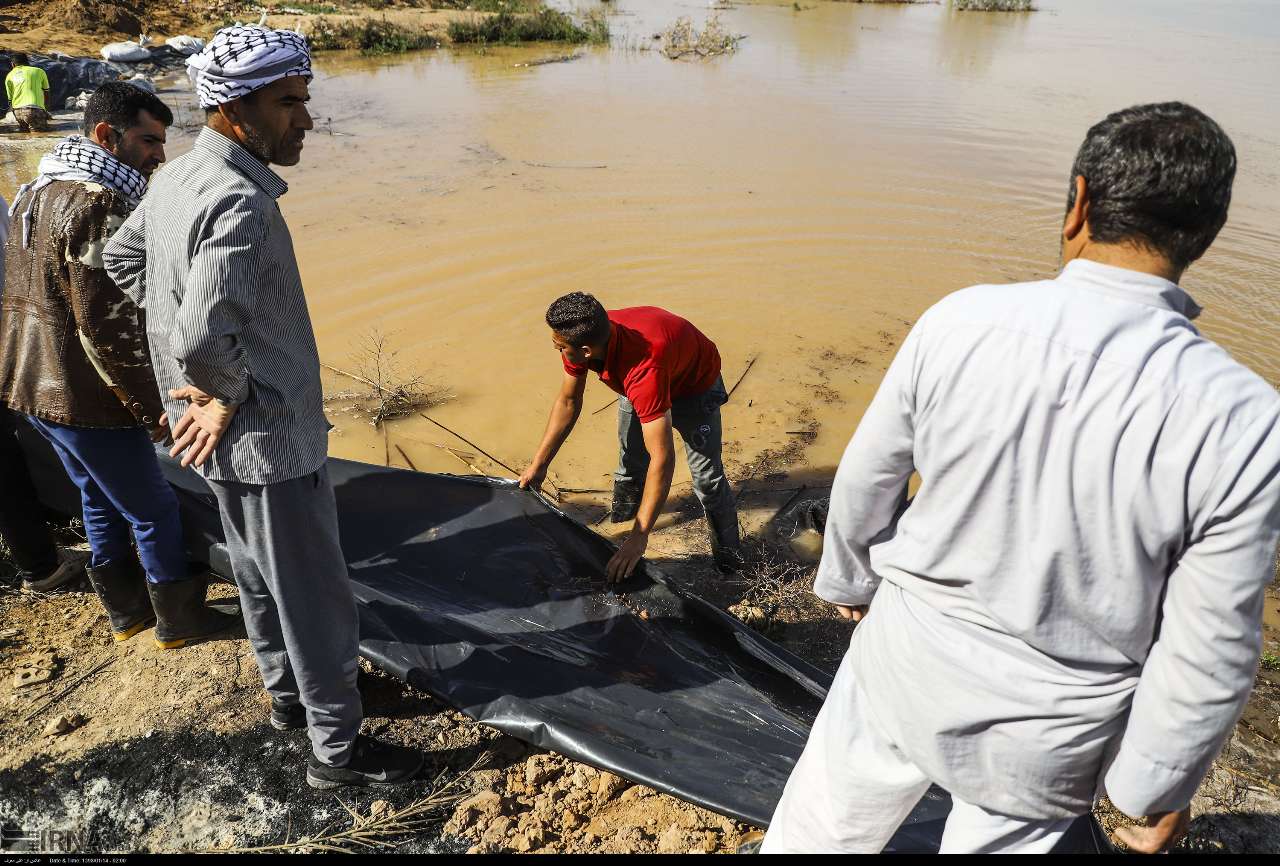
[802, 200]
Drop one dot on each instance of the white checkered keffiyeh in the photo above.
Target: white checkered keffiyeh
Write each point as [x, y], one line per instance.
[244, 58]
[77, 159]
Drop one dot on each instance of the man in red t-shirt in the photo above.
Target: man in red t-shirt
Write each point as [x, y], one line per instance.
[668, 374]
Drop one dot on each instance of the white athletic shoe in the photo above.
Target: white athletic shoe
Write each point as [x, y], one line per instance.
[70, 570]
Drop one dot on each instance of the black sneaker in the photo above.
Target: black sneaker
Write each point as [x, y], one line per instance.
[372, 762]
[288, 717]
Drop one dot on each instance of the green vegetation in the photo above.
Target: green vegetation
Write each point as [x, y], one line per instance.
[489, 5]
[993, 5]
[1270, 662]
[541, 25]
[369, 35]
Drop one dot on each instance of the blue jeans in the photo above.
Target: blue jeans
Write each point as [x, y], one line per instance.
[122, 488]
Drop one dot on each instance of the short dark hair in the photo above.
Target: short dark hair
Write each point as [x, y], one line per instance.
[580, 319]
[118, 103]
[1158, 175]
[19, 58]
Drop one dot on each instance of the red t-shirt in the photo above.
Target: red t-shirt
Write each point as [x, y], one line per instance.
[655, 357]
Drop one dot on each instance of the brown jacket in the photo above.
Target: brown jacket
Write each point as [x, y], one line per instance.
[65, 328]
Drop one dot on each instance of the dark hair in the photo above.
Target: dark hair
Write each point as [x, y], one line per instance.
[580, 319]
[118, 103]
[1158, 175]
[19, 58]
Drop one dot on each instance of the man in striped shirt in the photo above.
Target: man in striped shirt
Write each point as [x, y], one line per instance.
[208, 254]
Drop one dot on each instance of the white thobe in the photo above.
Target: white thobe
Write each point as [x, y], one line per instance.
[1075, 592]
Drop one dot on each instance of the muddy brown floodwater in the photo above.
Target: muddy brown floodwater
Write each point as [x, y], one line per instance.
[802, 201]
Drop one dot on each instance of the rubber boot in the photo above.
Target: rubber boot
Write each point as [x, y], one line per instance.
[122, 589]
[626, 501]
[181, 614]
[726, 546]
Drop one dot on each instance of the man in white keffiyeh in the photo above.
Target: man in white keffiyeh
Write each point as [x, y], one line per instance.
[252, 83]
[209, 256]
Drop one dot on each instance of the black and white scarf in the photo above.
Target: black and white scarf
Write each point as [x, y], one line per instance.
[78, 159]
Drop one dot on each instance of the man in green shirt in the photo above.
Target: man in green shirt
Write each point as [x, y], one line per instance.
[28, 89]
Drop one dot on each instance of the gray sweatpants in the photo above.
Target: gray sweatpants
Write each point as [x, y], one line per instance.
[296, 596]
[697, 420]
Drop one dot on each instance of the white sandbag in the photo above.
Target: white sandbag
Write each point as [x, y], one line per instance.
[125, 52]
[186, 44]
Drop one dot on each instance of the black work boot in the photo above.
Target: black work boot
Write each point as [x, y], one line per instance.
[626, 501]
[372, 762]
[122, 588]
[181, 614]
[726, 547]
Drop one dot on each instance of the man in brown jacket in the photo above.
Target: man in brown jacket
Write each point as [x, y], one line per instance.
[74, 359]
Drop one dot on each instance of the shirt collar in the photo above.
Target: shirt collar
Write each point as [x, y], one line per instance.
[1133, 286]
[611, 353]
[249, 165]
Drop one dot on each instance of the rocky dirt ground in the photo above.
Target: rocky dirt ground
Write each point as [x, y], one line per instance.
[170, 750]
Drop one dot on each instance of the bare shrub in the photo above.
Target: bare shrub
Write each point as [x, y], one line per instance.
[775, 582]
[682, 39]
[993, 5]
[389, 391]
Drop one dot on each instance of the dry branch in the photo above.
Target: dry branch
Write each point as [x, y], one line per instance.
[406, 458]
[68, 690]
[555, 489]
[751, 363]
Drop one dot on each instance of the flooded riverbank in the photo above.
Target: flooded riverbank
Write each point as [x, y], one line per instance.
[802, 200]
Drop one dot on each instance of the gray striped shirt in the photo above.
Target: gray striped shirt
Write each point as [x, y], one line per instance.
[208, 256]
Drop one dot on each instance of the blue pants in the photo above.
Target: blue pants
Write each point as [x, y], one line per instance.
[121, 487]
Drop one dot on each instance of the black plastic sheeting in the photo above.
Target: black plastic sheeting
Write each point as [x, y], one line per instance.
[494, 601]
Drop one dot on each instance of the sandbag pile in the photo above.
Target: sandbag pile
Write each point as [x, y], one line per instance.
[125, 52]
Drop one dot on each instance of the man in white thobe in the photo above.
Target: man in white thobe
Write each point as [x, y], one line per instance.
[1071, 604]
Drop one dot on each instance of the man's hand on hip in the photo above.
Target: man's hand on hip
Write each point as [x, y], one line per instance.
[1163, 831]
[201, 426]
[852, 612]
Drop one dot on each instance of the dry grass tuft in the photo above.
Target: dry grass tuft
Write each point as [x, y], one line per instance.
[383, 828]
[773, 581]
